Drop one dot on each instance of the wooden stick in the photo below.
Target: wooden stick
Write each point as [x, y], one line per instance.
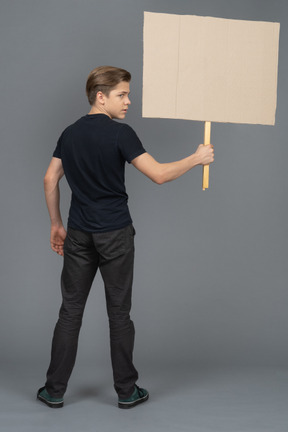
[207, 137]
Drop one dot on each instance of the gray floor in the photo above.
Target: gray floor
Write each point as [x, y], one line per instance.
[202, 400]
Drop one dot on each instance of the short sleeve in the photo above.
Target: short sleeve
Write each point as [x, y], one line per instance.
[129, 144]
[57, 151]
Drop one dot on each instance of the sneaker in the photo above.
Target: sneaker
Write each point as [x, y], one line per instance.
[139, 395]
[44, 397]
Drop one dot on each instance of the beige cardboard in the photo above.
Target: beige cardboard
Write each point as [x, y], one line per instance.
[210, 69]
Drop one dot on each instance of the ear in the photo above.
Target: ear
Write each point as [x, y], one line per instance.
[100, 97]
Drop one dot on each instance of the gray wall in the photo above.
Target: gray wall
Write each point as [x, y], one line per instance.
[211, 267]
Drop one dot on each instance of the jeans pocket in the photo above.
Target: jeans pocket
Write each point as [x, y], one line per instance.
[112, 244]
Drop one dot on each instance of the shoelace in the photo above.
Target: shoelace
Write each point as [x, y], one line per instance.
[140, 391]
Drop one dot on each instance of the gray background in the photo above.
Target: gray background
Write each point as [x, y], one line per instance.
[210, 286]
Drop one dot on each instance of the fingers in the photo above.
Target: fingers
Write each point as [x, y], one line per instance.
[209, 154]
[59, 249]
[212, 153]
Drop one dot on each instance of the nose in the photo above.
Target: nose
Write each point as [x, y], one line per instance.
[128, 102]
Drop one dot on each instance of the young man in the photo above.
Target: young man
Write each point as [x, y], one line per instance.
[92, 153]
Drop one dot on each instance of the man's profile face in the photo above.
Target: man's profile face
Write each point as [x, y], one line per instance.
[116, 104]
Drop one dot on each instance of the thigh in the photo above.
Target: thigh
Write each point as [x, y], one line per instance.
[116, 250]
[80, 265]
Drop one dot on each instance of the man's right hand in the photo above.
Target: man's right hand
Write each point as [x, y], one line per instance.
[57, 237]
[205, 154]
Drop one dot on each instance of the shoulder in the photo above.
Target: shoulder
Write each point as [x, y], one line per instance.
[126, 130]
[125, 126]
[75, 125]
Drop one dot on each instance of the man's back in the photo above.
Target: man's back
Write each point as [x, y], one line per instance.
[93, 151]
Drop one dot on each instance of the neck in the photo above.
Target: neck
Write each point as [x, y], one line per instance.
[96, 110]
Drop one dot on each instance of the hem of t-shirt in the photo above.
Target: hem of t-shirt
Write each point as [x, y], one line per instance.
[93, 230]
[136, 154]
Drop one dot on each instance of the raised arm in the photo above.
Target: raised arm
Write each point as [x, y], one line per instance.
[52, 194]
[164, 172]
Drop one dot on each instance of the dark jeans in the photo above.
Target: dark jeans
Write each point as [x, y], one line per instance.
[113, 253]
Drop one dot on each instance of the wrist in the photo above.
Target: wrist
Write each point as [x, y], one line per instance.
[56, 223]
[196, 160]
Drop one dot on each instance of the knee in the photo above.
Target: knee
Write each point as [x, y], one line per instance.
[70, 318]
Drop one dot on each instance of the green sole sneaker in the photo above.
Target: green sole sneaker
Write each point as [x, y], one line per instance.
[139, 396]
[44, 397]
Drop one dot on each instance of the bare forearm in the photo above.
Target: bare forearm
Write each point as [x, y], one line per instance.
[171, 171]
[52, 192]
[52, 196]
[164, 172]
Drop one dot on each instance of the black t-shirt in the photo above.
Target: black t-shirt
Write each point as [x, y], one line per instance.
[93, 151]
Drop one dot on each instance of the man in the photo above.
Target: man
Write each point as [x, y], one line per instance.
[92, 154]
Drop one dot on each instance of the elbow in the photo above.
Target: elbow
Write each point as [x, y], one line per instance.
[49, 182]
[159, 179]
[46, 181]
[162, 176]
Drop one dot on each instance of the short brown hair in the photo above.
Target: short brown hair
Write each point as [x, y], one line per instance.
[104, 79]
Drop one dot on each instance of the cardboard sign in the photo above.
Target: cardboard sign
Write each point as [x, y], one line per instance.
[210, 69]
